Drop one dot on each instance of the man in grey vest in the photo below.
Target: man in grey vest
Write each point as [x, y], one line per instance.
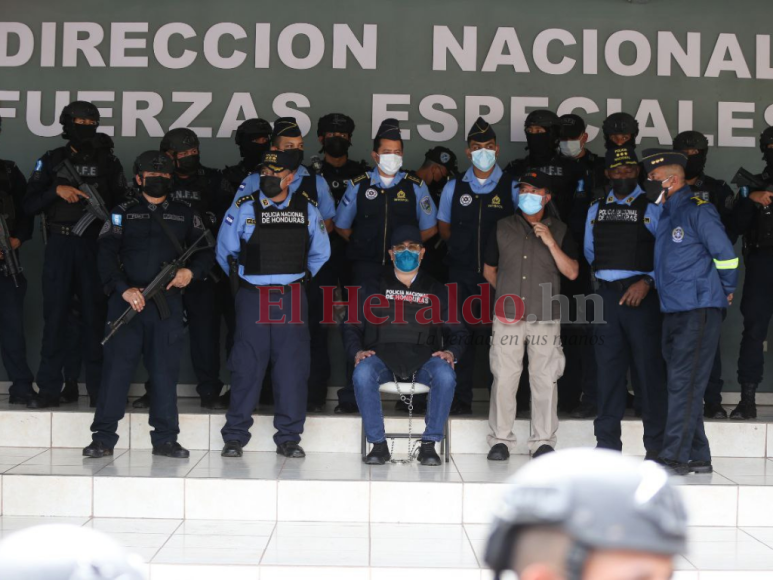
[525, 258]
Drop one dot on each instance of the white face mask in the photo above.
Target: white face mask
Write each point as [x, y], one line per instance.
[484, 159]
[390, 163]
[570, 148]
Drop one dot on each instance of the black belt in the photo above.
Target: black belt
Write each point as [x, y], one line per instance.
[59, 230]
[269, 287]
[621, 285]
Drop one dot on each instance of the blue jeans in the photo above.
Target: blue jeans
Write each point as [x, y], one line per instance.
[435, 373]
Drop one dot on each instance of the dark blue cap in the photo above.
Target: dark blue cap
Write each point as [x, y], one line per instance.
[406, 233]
[286, 127]
[654, 158]
[389, 129]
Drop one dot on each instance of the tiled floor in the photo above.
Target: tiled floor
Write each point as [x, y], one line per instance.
[366, 546]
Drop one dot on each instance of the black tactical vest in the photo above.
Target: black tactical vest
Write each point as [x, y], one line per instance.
[280, 241]
[473, 217]
[197, 192]
[7, 205]
[761, 235]
[93, 169]
[621, 240]
[404, 348]
[308, 188]
[379, 211]
[338, 178]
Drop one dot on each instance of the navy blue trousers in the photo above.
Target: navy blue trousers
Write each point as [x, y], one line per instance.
[13, 347]
[689, 341]
[160, 344]
[70, 269]
[629, 338]
[256, 343]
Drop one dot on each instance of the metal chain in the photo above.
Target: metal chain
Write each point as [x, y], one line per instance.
[408, 400]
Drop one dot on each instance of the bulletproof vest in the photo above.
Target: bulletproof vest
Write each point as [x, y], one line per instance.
[705, 191]
[279, 243]
[338, 177]
[93, 169]
[473, 217]
[7, 205]
[308, 188]
[404, 348]
[761, 235]
[379, 211]
[621, 241]
[196, 192]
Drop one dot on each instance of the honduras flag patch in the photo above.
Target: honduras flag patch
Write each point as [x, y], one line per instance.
[117, 219]
[229, 219]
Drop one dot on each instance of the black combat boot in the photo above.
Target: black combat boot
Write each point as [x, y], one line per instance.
[747, 408]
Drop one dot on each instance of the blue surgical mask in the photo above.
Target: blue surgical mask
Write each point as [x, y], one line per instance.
[530, 203]
[407, 260]
[484, 159]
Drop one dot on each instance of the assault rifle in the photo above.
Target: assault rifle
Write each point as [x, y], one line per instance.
[155, 290]
[10, 265]
[744, 178]
[95, 206]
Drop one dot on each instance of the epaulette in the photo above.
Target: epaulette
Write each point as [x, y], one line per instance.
[417, 180]
[129, 203]
[243, 199]
[311, 201]
[698, 201]
[356, 180]
[598, 199]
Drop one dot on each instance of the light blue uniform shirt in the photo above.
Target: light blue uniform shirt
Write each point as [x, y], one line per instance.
[447, 197]
[326, 204]
[235, 229]
[426, 211]
[652, 212]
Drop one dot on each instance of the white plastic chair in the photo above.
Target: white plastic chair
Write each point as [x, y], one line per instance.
[401, 388]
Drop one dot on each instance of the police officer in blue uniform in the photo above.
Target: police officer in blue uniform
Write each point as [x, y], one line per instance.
[70, 261]
[374, 204]
[753, 217]
[279, 240]
[206, 191]
[696, 275]
[715, 191]
[144, 234]
[253, 137]
[287, 136]
[13, 347]
[620, 246]
[469, 209]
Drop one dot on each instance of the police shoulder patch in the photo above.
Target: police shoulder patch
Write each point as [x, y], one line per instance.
[414, 178]
[244, 199]
[359, 178]
[698, 201]
[647, 220]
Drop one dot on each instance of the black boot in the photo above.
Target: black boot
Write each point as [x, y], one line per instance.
[378, 455]
[428, 455]
[747, 408]
[142, 403]
[69, 392]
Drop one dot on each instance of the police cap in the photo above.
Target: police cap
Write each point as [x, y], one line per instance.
[481, 131]
[180, 139]
[536, 179]
[278, 161]
[389, 129]
[153, 162]
[620, 156]
[572, 126]
[691, 140]
[442, 156]
[335, 123]
[286, 127]
[654, 158]
[406, 233]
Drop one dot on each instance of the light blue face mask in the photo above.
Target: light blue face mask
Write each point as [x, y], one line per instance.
[407, 260]
[530, 203]
[484, 159]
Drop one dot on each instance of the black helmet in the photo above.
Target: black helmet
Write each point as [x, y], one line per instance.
[181, 139]
[79, 110]
[620, 124]
[252, 128]
[548, 120]
[335, 123]
[691, 140]
[153, 161]
[766, 138]
[600, 499]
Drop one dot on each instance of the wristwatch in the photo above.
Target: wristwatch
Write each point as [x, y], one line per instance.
[648, 280]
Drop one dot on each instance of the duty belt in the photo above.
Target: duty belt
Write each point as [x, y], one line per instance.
[621, 285]
[59, 230]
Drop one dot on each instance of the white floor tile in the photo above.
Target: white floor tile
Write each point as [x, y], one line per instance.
[135, 525]
[326, 466]
[736, 439]
[197, 572]
[755, 506]
[25, 428]
[137, 540]
[138, 497]
[33, 495]
[194, 431]
[252, 465]
[336, 501]
[401, 502]
[142, 463]
[15, 523]
[481, 501]
[226, 528]
[237, 557]
[478, 469]
[711, 505]
[415, 472]
[402, 546]
[230, 499]
[423, 574]
[317, 572]
[73, 430]
[321, 434]
[194, 541]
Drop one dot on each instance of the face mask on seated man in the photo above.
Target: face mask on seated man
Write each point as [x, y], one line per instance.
[400, 334]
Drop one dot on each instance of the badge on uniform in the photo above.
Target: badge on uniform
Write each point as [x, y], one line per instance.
[425, 205]
[105, 228]
[322, 226]
[466, 199]
[677, 235]
[241, 187]
[229, 219]
[117, 219]
[264, 201]
[371, 194]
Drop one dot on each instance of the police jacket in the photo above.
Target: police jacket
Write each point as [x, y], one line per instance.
[97, 167]
[133, 246]
[431, 323]
[206, 191]
[695, 265]
[13, 186]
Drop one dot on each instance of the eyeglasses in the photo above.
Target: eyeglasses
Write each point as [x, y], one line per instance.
[403, 247]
